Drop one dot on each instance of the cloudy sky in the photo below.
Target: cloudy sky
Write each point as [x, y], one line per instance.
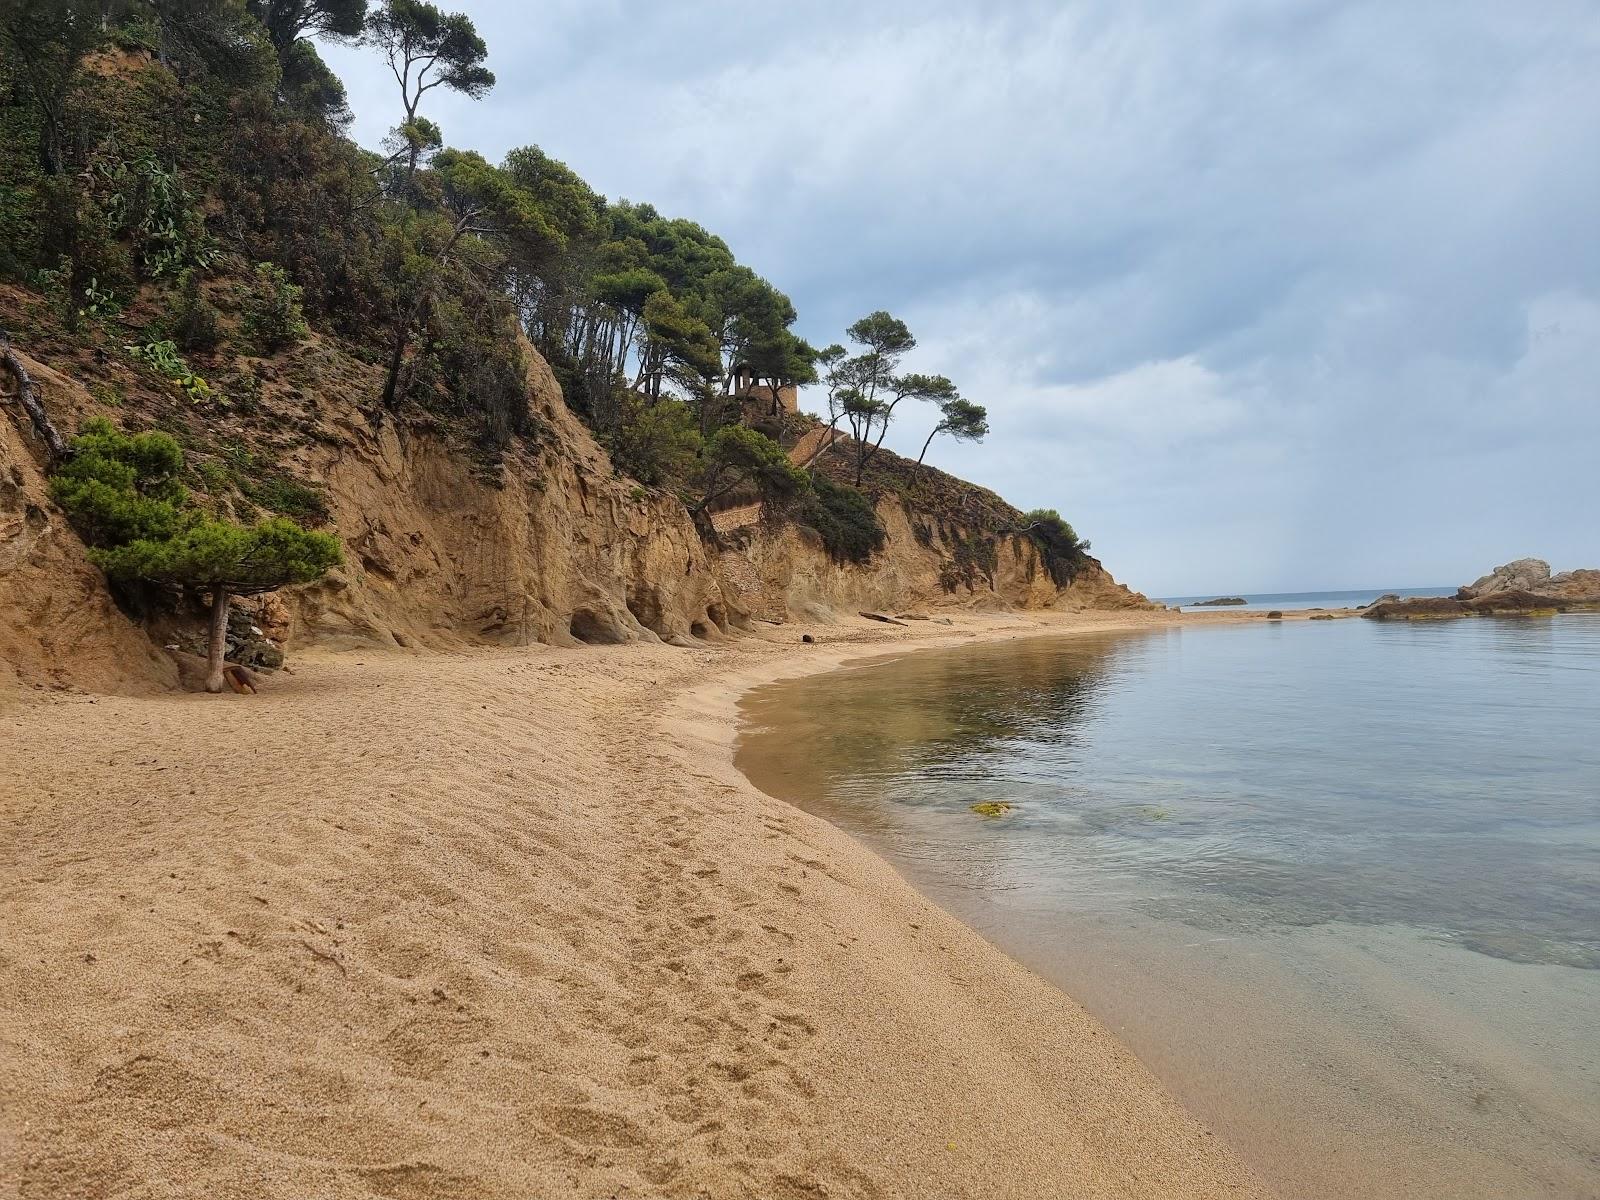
[1261, 294]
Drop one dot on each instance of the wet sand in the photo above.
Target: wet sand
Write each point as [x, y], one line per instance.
[510, 924]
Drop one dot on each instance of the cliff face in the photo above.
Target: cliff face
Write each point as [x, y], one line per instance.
[789, 574]
[58, 625]
[562, 550]
[554, 547]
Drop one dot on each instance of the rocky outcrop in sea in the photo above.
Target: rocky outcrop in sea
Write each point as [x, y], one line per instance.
[1523, 587]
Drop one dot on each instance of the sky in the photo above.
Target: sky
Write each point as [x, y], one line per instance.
[1262, 295]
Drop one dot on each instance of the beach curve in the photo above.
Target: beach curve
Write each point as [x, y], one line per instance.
[509, 923]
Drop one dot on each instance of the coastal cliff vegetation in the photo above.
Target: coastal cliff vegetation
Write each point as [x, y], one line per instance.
[188, 231]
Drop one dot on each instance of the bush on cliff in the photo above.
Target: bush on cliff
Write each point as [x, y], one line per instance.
[658, 444]
[1059, 543]
[737, 457]
[272, 316]
[845, 520]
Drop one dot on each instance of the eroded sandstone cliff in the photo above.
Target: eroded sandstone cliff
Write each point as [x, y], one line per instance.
[551, 545]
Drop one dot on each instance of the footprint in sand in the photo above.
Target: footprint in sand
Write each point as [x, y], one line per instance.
[592, 1126]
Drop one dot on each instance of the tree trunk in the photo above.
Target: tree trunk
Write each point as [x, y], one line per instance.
[28, 394]
[926, 444]
[219, 639]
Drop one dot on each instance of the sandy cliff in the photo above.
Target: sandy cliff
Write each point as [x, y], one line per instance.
[551, 546]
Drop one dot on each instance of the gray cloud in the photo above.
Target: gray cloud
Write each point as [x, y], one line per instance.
[1260, 295]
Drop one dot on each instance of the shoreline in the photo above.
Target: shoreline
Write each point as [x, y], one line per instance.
[510, 922]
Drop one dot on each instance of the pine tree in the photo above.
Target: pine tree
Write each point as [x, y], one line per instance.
[124, 496]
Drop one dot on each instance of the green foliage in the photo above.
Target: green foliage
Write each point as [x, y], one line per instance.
[737, 457]
[264, 484]
[119, 487]
[290, 22]
[55, 284]
[865, 389]
[164, 358]
[960, 418]
[311, 90]
[41, 44]
[207, 553]
[122, 493]
[420, 39]
[427, 48]
[658, 444]
[845, 519]
[147, 204]
[1063, 551]
[195, 323]
[272, 314]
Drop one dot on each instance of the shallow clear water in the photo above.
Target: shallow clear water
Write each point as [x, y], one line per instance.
[1303, 600]
[1338, 883]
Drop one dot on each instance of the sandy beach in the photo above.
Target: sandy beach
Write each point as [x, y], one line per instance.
[509, 924]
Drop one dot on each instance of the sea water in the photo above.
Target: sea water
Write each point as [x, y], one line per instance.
[1337, 883]
[1298, 601]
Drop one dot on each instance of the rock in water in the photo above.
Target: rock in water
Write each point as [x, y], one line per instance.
[1524, 587]
[1219, 601]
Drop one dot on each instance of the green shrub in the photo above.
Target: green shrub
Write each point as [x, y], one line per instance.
[1059, 543]
[118, 487]
[163, 357]
[845, 520]
[287, 496]
[737, 458]
[658, 444]
[196, 325]
[240, 558]
[214, 477]
[272, 316]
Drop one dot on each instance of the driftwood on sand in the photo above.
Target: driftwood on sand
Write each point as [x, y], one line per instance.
[887, 620]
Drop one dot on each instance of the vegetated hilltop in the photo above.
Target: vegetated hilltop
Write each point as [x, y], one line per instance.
[523, 409]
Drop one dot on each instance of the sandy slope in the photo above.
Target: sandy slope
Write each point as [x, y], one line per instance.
[506, 924]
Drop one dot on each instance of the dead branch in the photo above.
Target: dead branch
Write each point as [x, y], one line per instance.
[28, 393]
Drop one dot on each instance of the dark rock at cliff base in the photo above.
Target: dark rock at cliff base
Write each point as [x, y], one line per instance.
[258, 652]
[1219, 601]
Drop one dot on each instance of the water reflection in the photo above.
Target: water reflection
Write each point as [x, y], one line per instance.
[1339, 884]
[1432, 775]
